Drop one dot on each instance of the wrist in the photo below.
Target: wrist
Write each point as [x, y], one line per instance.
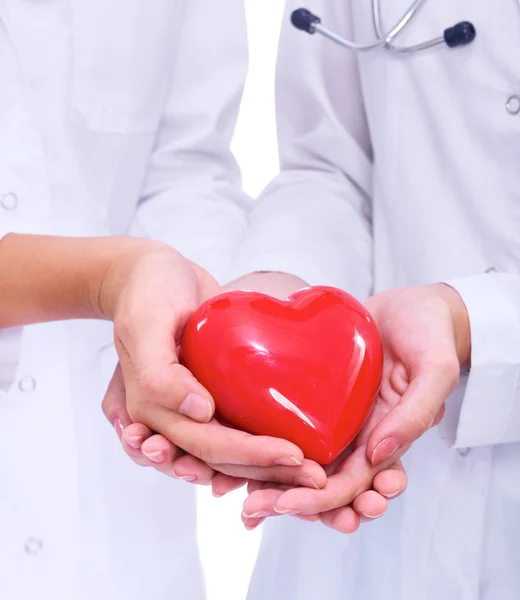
[460, 319]
[273, 283]
[116, 260]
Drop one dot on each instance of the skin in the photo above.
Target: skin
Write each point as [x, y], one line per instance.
[426, 338]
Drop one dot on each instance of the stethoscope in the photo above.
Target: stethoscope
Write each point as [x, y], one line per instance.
[459, 35]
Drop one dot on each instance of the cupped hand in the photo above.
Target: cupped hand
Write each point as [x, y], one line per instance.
[150, 295]
[425, 333]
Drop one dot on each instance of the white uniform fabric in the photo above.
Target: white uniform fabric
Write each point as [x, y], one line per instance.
[114, 117]
[405, 170]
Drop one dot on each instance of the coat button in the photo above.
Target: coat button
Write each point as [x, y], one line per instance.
[27, 384]
[513, 105]
[463, 451]
[9, 201]
[33, 546]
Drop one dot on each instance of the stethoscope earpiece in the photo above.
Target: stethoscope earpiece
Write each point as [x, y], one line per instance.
[460, 34]
[304, 20]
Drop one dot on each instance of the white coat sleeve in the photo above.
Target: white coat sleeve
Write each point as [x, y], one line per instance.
[314, 220]
[192, 197]
[490, 407]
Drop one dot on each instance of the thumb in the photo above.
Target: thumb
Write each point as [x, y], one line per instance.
[114, 402]
[416, 412]
[148, 354]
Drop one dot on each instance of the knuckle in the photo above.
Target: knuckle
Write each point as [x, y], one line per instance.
[257, 451]
[207, 454]
[246, 460]
[124, 321]
[137, 412]
[453, 374]
[323, 506]
[203, 452]
[449, 367]
[150, 383]
[421, 422]
[108, 409]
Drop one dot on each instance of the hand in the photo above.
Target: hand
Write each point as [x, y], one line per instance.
[426, 337]
[150, 294]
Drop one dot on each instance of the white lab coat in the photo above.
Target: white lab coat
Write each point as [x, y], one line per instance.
[398, 171]
[92, 94]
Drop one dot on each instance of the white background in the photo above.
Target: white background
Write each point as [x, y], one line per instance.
[228, 551]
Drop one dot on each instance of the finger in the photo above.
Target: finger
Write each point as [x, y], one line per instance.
[310, 518]
[264, 497]
[370, 505]
[136, 456]
[215, 444]
[161, 453]
[148, 450]
[391, 482]
[114, 408]
[261, 503]
[135, 434]
[251, 524]
[352, 478]
[310, 474]
[224, 484]
[114, 402]
[344, 519]
[190, 469]
[253, 485]
[414, 414]
[132, 441]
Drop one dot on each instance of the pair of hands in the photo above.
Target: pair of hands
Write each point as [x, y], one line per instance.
[164, 416]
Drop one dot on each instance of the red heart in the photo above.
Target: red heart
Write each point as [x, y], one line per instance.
[306, 369]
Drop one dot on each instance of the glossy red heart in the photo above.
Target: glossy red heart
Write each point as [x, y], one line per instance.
[306, 369]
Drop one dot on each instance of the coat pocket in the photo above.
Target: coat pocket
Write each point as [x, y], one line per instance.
[124, 53]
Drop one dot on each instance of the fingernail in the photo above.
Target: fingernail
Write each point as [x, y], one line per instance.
[215, 495]
[304, 481]
[188, 478]
[257, 515]
[118, 425]
[251, 527]
[134, 441]
[384, 450]
[156, 457]
[197, 408]
[372, 517]
[289, 461]
[389, 496]
[286, 511]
